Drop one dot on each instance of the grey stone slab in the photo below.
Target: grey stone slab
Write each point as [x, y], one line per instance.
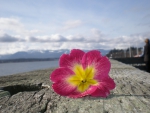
[31, 92]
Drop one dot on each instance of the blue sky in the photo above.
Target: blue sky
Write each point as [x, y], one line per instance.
[67, 24]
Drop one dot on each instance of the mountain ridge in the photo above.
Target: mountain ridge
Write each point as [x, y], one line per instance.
[42, 54]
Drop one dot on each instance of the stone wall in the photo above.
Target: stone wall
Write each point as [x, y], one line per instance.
[31, 92]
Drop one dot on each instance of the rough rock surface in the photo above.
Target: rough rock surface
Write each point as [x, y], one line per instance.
[31, 93]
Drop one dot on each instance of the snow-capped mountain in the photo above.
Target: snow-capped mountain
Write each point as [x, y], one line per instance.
[41, 54]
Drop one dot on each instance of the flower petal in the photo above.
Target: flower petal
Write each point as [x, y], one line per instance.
[87, 70]
[59, 79]
[63, 88]
[60, 74]
[73, 58]
[90, 57]
[76, 94]
[101, 91]
[100, 63]
[102, 67]
[104, 87]
[108, 83]
[77, 54]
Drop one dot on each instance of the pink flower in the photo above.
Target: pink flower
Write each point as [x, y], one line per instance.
[82, 74]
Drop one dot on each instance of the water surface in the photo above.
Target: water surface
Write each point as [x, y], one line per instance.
[19, 67]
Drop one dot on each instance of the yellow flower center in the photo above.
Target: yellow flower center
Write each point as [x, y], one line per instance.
[82, 79]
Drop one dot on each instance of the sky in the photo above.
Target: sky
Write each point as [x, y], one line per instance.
[68, 24]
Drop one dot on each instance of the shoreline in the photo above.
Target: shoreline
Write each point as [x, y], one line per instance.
[27, 60]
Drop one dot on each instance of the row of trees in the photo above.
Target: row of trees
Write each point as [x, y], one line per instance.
[124, 53]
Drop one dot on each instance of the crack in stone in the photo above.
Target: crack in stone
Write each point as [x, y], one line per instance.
[21, 88]
[45, 106]
[41, 97]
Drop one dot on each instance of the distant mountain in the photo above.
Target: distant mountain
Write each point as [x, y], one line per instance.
[41, 54]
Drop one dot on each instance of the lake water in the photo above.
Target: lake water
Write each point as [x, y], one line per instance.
[14, 68]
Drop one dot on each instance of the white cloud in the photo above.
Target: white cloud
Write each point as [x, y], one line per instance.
[46, 38]
[98, 36]
[57, 38]
[12, 30]
[76, 38]
[72, 24]
[57, 41]
[14, 26]
[10, 48]
[119, 43]
[11, 25]
[8, 38]
[96, 32]
[35, 31]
